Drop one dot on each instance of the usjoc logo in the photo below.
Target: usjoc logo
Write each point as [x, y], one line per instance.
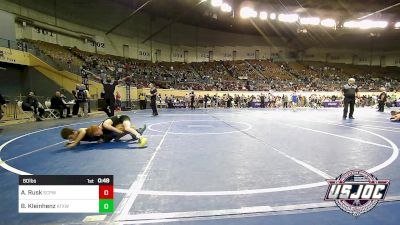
[356, 191]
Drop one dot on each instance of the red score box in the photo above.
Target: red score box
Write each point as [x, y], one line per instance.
[106, 192]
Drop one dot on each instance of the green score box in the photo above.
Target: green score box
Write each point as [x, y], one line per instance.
[106, 205]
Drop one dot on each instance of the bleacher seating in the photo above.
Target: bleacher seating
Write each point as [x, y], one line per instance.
[224, 75]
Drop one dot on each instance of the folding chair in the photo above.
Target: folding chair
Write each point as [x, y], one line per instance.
[27, 114]
[49, 112]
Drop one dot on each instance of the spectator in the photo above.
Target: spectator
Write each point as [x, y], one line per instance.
[103, 76]
[2, 104]
[82, 97]
[57, 103]
[142, 101]
[118, 102]
[31, 103]
[206, 98]
[75, 108]
[84, 75]
[192, 99]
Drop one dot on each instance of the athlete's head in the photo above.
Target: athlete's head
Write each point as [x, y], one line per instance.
[352, 81]
[68, 133]
[94, 131]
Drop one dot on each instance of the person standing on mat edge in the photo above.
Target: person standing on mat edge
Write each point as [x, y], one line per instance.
[109, 88]
[192, 96]
[350, 91]
[382, 98]
[82, 98]
[153, 104]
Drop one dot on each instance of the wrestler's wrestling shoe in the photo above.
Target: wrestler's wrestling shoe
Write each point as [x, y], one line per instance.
[140, 131]
[142, 142]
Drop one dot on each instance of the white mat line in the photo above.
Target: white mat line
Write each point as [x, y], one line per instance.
[37, 150]
[374, 121]
[392, 158]
[199, 126]
[382, 129]
[20, 172]
[120, 190]
[179, 216]
[239, 192]
[302, 163]
[139, 218]
[340, 136]
[134, 189]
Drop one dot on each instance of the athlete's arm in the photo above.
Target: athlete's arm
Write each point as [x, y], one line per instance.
[128, 128]
[81, 135]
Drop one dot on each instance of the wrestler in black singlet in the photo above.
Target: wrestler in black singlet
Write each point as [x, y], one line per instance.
[108, 135]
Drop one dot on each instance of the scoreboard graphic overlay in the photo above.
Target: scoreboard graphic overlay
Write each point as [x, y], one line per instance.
[66, 194]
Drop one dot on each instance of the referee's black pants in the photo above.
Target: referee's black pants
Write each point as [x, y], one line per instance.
[381, 106]
[347, 102]
[154, 107]
[110, 106]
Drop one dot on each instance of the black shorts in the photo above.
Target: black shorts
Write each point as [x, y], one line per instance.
[118, 119]
[124, 118]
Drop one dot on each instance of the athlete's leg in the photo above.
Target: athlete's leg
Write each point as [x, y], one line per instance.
[141, 130]
[127, 126]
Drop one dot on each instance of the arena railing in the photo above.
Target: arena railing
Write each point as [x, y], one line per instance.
[21, 45]
[9, 44]
[41, 55]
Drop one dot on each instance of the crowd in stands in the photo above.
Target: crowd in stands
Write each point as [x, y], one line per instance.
[268, 100]
[59, 107]
[260, 75]
[58, 53]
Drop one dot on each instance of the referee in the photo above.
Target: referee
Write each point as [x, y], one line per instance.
[153, 104]
[350, 90]
[109, 89]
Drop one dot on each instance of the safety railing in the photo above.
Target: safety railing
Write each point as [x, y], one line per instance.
[21, 45]
[5, 43]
